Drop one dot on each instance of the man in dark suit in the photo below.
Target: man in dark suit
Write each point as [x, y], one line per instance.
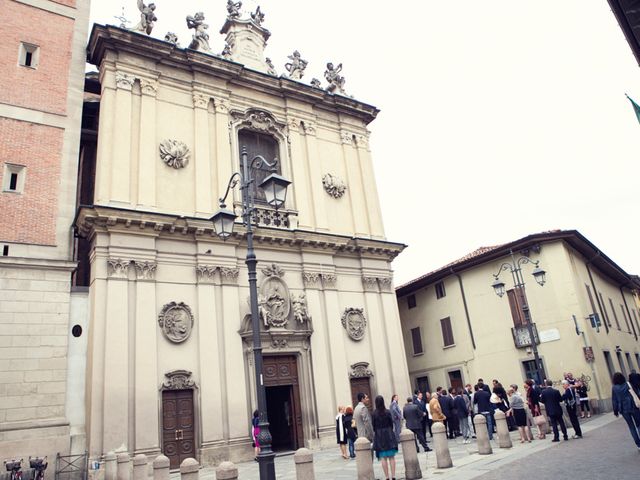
[571, 402]
[482, 398]
[551, 399]
[413, 417]
[418, 399]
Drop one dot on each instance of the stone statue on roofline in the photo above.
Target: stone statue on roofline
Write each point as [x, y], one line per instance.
[147, 17]
[297, 66]
[200, 39]
[233, 9]
[171, 38]
[226, 52]
[336, 81]
[271, 68]
[257, 17]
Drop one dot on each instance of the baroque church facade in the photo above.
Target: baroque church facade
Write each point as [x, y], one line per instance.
[169, 364]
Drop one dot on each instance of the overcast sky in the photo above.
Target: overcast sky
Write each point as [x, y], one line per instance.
[500, 118]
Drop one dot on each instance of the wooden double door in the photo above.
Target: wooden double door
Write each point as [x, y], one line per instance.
[280, 375]
[178, 432]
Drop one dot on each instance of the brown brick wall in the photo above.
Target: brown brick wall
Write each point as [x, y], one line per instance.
[30, 217]
[45, 87]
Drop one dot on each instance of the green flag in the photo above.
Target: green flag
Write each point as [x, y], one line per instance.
[636, 107]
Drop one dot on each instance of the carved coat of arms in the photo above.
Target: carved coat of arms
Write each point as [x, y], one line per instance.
[176, 321]
[354, 322]
[274, 299]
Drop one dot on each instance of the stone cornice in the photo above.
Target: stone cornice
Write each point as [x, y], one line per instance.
[105, 38]
[109, 219]
[38, 263]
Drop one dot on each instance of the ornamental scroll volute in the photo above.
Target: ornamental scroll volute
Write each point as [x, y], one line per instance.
[176, 321]
[274, 300]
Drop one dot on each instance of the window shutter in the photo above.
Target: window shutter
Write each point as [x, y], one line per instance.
[417, 340]
[447, 332]
[258, 144]
[516, 314]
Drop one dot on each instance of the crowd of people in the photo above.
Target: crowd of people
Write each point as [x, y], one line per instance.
[456, 407]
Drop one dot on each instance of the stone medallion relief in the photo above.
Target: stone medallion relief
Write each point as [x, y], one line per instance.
[176, 321]
[354, 323]
[276, 304]
[274, 300]
[333, 185]
[174, 153]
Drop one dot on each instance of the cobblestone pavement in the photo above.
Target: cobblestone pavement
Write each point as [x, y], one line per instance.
[604, 436]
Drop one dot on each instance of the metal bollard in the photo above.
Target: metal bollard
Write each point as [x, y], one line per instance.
[410, 454]
[124, 466]
[504, 439]
[227, 471]
[482, 435]
[110, 466]
[189, 469]
[364, 459]
[303, 458]
[140, 467]
[161, 468]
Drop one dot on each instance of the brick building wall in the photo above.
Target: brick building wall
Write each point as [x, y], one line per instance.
[30, 216]
[43, 88]
[40, 113]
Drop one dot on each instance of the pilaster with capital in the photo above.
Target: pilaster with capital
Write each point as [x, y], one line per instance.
[229, 275]
[369, 283]
[145, 270]
[206, 273]
[118, 268]
[148, 156]
[121, 147]
[202, 154]
[357, 189]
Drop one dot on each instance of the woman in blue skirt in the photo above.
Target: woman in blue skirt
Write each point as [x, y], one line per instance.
[384, 439]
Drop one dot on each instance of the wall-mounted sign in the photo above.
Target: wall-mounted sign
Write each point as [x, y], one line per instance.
[549, 335]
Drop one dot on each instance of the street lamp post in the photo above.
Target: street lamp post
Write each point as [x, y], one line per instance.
[275, 189]
[515, 267]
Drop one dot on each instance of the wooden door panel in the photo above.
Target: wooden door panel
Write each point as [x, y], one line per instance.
[178, 433]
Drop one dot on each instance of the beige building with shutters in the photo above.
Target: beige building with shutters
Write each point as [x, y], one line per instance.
[170, 364]
[456, 329]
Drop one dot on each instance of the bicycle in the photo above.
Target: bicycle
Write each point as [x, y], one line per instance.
[39, 465]
[15, 467]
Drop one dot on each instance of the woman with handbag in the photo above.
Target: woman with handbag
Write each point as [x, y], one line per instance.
[533, 402]
[625, 401]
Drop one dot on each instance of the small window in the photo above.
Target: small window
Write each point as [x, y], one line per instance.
[416, 337]
[626, 320]
[638, 361]
[604, 310]
[411, 301]
[447, 332]
[29, 55]
[440, 290]
[265, 146]
[615, 315]
[13, 178]
[609, 362]
[422, 384]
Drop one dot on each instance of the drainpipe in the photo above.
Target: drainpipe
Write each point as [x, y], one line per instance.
[595, 293]
[633, 327]
[466, 308]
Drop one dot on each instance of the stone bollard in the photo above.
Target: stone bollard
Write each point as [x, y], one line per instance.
[504, 439]
[227, 471]
[124, 467]
[410, 454]
[546, 428]
[441, 445]
[364, 460]
[140, 467]
[303, 458]
[482, 435]
[189, 469]
[161, 468]
[110, 466]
